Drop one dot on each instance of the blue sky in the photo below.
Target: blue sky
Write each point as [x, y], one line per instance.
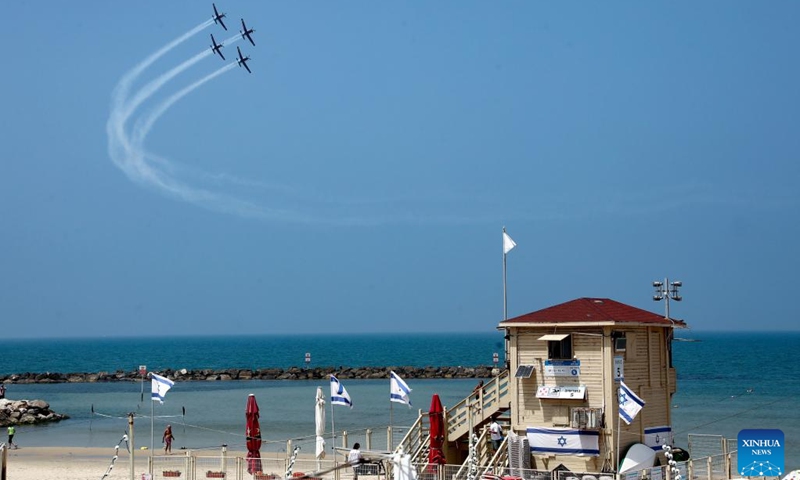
[359, 179]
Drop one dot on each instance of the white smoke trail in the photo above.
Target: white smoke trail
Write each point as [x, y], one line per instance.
[144, 125]
[123, 86]
[119, 147]
[128, 152]
[148, 90]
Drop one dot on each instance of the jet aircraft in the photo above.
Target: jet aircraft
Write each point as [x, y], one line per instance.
[218, 17]
[246, 33]
[242, 60]
[216, 47]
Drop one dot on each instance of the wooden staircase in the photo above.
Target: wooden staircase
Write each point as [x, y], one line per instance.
[476, 410]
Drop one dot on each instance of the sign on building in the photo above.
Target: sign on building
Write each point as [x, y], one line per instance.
[562, 392]
[562, 368]
[619, 369]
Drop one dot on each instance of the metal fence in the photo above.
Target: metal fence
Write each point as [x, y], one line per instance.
[191, 467]
[274, 467]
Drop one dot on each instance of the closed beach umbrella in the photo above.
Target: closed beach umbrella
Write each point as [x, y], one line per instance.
[436, 430]
[319, 418]
[253, 435]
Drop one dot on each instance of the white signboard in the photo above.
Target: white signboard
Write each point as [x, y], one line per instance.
[562, 368]
[562, 392]
[619, 369]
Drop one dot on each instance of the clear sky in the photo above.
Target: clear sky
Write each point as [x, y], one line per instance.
[358, 180]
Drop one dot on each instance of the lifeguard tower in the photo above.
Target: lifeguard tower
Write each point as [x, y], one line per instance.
[567, 363]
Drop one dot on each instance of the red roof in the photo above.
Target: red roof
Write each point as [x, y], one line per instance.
[591, 310]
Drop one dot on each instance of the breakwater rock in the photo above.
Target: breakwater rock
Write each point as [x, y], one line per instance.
[27, 412]
[293, 373]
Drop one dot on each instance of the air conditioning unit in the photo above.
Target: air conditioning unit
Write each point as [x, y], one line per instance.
[585, 418]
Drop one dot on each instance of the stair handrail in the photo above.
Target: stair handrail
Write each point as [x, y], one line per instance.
[486, 399]
[498, 460]
[412, 440]
[480, 446]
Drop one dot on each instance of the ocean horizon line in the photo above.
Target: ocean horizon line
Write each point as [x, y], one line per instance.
[258, 335]
[679, 333]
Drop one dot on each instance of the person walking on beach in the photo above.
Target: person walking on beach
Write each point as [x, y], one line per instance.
[354, 458]
[11, 432]
[2, 390]
[167, 439]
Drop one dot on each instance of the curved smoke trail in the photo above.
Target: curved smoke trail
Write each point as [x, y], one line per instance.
[127, 151]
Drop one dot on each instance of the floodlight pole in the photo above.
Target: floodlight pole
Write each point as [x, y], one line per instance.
[666, 291]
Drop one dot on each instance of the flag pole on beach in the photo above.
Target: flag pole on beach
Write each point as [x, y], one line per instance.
[629, 405]
[152, 417]
[159, 386]
[398, 392]
[132, 448]
[339, 396]
[508, 245]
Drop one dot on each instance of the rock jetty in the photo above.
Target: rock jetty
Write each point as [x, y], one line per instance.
[293, 373]
[27, 412]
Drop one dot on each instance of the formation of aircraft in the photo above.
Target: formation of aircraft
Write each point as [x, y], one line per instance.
[216, 47]
[242, 60]
[218, 17]
[246, 33]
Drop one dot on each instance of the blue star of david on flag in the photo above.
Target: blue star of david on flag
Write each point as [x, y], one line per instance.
[564, 441]
[629, 403]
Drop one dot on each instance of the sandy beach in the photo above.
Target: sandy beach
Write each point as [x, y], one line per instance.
[77, 463]
[68, 463]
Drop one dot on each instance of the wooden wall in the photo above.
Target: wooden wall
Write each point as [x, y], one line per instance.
[646, 373]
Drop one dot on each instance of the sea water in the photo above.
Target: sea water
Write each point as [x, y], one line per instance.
[726, 382]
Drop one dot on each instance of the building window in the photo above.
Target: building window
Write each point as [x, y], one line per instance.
[560, 349]
[559, 346]
[620, 342]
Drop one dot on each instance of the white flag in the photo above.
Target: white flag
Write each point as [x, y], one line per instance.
[629, 403]
[160, 386]
[339, 395]
[398, 390]
[508, 243]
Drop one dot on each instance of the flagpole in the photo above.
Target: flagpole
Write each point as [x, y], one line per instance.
[619, 433]
[333, 429]
[505, 297]
[152, 415]
[131, 445]
[391, 411]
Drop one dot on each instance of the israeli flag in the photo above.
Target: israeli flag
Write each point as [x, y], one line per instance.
[657, 437]
[160, 386]
[629, 403]
[339, 395]
[564, 441]
[398, 390]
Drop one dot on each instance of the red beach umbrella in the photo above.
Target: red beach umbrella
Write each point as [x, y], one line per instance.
[436, 429]
[253, 434]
